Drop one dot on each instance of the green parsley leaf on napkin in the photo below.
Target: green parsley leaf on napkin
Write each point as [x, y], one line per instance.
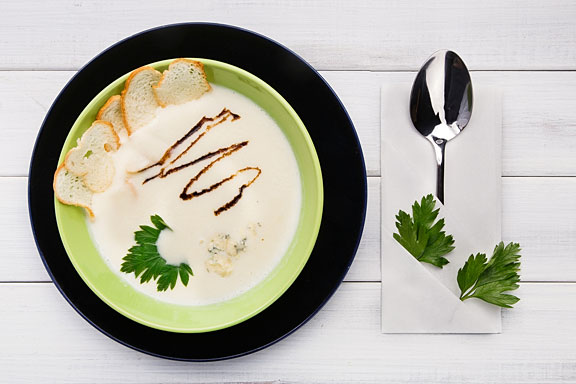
[487, 280]
[421, 235]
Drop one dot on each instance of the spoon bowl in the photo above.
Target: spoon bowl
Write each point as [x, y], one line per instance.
[441, 104]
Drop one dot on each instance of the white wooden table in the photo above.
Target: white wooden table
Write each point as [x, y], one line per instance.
[527, 47]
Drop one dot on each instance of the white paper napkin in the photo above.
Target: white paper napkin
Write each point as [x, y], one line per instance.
[418, 297]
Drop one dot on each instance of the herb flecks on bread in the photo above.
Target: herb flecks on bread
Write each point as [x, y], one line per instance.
[87, 168]
[138, 100]
[183, 81]
[98, 139]
[100, 177]
[71, 190]
[112, 113]
[90, 158]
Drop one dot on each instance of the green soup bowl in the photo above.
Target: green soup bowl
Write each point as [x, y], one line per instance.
[120, 295]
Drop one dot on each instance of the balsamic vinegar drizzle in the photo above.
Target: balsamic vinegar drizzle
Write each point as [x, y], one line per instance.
[219, 154]
[218, 119]
[187, 196]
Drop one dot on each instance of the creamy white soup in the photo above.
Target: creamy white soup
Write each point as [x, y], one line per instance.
[239, 213]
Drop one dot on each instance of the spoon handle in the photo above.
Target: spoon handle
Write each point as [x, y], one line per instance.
[440, 148]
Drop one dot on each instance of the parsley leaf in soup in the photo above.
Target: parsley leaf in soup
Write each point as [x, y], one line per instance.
[144, 260]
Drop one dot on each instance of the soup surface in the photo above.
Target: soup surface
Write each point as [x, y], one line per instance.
[232, 199]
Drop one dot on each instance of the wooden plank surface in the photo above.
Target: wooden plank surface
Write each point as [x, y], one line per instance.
[341, 344]
[363, 34]
[539, 213]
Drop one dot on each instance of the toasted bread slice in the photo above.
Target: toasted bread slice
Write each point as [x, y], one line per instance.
[184, 80]
[90, 159]
[138, 101]
[112, 113]
[99, 138]
[70, 189]
[101, 174]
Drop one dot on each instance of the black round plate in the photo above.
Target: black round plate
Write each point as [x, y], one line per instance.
[335, 141]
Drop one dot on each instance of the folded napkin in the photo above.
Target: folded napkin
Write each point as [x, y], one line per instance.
[419, 297]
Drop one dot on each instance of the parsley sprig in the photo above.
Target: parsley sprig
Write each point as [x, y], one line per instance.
[144, 260]
[421, 235]
[489, 279]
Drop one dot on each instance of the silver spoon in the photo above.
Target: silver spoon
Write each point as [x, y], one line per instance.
[441, 104]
